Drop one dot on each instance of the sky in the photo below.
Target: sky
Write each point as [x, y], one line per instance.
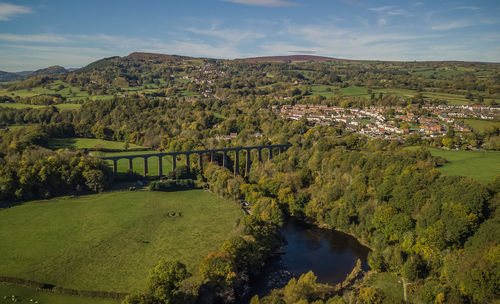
[73, 33]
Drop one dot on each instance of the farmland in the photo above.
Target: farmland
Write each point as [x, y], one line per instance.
[89, 143]
[62, 106]
[23, 295]
[480, 165]
[110, 241]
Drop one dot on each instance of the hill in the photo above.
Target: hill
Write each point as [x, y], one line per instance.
[152, 56]
[290, 58]
[52, 70]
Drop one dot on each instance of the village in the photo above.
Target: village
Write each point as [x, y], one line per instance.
[393, 122]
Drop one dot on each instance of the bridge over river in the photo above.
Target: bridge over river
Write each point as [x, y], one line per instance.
[200, 153]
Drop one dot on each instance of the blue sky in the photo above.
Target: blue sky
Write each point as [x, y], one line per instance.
[37, 34]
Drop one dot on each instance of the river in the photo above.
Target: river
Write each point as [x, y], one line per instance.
[330, 254]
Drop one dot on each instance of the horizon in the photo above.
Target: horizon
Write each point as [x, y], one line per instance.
[37, 35]
[257, 57]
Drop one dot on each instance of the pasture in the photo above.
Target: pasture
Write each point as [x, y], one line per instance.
[89, 143]
[480, 165]
[110, 241]
[62, 106]
[25, 294]
[480, 125]
[387, 283]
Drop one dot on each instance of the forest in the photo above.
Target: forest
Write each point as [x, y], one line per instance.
[436, 231]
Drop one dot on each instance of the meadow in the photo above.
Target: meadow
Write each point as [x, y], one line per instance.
[480, 125]
[388, 283]
[480, 165]
[110, 241]
[23, 295]
[62, 106]
[89, 143]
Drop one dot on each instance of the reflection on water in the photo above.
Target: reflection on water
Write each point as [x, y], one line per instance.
[331, 255]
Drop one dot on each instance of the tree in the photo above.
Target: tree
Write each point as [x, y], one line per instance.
[305, 289]
[95, 180]
[165, 279]
[163, 285]
[219, 269]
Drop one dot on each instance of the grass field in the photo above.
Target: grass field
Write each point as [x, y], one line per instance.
[480, 125]
[110, 241]
[88, 143]
[355, 91]
[386, 282]
[480, 165]
[62, 106]
[25, 294]
[323, 90]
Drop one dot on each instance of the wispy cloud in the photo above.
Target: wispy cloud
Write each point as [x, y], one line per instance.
[268, 3]
[467, 8]
[8, 11]
[396, 12]
[382, 21]
[33, 38]
[381, 8]
[450, 26]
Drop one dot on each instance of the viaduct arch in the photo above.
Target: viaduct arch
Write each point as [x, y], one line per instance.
[200, 154]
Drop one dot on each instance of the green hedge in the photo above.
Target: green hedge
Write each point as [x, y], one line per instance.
[172, 185]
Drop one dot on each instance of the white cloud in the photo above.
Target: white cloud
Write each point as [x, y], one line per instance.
[382, 21]
[381, 8]
[396, 12]
[269, 3]
[450, 26]
[468, 8]
[33, 38]
[8, 11]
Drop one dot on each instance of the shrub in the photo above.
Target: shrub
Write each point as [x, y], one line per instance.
[172, 185]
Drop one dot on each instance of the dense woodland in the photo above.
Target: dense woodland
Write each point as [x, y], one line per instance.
[438, 232]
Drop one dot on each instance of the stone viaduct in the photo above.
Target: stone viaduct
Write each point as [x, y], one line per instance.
[200, 153]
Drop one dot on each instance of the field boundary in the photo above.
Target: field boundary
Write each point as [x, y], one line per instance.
[63, 290]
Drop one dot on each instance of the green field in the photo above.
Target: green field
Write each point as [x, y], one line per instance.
[480, 125]
[480, 165]
[25, 294]
[88, 143]
[323, 90]
[387, 283]
[62, 106]
[355, 91]
[111, 241]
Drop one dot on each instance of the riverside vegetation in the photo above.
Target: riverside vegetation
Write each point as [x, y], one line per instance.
[437, 231]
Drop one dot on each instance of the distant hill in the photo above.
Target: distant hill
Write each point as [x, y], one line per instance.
[150, 56]
[52, 70]
[290, 58]
[97, 64]
[7, 76]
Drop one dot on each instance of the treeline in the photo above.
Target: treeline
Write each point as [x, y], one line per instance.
[40, 173]
[29, 171]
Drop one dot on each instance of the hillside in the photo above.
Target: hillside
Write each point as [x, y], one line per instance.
[52, 70]
[290, 58]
